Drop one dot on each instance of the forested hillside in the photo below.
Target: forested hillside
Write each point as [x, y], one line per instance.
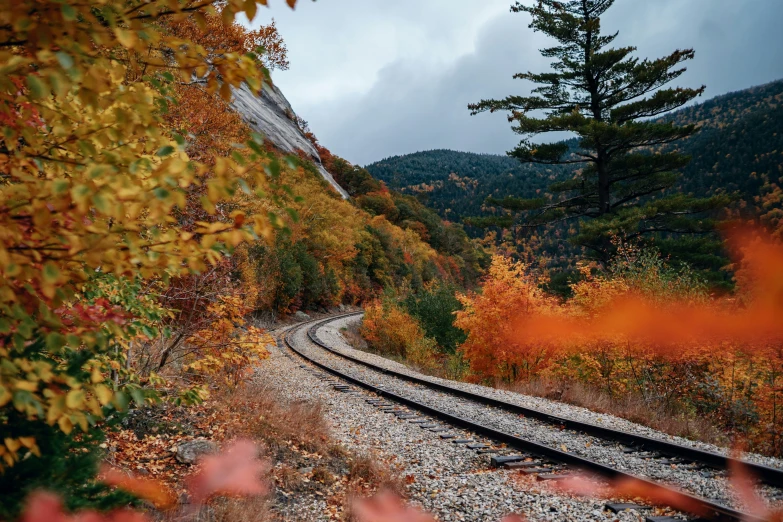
[738, 151]
[147, 222]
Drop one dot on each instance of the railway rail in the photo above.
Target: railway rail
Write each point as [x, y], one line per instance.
[550, 460]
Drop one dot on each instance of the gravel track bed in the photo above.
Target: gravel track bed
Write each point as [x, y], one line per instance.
[709, 484]
[330, 335]
[449, 480]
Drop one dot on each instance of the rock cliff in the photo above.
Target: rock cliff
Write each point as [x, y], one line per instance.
[269, 114]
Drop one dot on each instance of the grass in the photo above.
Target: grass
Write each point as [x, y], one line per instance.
[630, 407]
[305, 461]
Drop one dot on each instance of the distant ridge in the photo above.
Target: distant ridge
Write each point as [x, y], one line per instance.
[740, 149]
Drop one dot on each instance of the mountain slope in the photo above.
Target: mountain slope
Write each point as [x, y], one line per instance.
[740, 149]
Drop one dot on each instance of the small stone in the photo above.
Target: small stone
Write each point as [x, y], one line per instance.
[189, 452]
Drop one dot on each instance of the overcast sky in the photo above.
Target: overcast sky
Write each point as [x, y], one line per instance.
[376, 78]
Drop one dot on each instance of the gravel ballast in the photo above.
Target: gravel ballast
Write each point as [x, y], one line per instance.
[450, 480]
[707, 483]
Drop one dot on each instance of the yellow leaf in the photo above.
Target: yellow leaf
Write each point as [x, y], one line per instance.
[96, 376]
[55, 410]
[27, 442]
[65, 424]
[125, 37]
[5, 396]
[104, 394]
[26, 386]
[75, 399]
[12, 444]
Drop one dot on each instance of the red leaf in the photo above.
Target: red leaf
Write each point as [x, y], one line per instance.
[236, 471]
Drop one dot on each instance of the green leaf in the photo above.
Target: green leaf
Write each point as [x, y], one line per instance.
[255, 147]
[161, 193]
[50, 272]
[5, 325]
[165, 151]
[244, 186]
[69, 13]
[274, 168]
[73, 340]
[13, 270]
[60, 186]
[138, 396]
[294, 216]
[149, 332]
[65, 59]
[292, 161]
[100, 202]
[239, 158]
[55, 341]
[37, 86]
[121, 400]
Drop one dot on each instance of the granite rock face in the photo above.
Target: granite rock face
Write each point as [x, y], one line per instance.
[269, 113]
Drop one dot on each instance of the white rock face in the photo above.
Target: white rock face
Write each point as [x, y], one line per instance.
[269, 114]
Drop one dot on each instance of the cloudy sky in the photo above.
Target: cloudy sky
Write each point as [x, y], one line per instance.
[376, 78]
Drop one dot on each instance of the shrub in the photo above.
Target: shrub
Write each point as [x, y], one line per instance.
[435, 308]
[391, 331]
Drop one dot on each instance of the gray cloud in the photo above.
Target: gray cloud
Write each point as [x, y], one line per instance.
[377, 78]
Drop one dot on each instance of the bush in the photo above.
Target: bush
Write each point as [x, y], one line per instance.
[390, 331]
[434, 308]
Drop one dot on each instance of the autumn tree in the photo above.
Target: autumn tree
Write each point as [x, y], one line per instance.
[608, 98]
[509, 291]
[91, 181]
[218, 34]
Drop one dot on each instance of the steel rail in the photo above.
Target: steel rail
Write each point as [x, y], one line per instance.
[765, 474]
[702, 507]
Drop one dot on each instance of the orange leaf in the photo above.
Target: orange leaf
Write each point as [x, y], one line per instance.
[148, 489]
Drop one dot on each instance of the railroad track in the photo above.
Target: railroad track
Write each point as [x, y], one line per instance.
[545, 462]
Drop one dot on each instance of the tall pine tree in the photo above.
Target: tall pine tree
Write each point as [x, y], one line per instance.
[609, 99]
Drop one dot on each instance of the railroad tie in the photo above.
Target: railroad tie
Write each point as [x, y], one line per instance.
[499, 461]
[617, 507]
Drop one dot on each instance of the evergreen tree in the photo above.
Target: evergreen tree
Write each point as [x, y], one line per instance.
[607, 98]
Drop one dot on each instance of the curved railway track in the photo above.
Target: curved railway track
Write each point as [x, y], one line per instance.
[707, 508]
